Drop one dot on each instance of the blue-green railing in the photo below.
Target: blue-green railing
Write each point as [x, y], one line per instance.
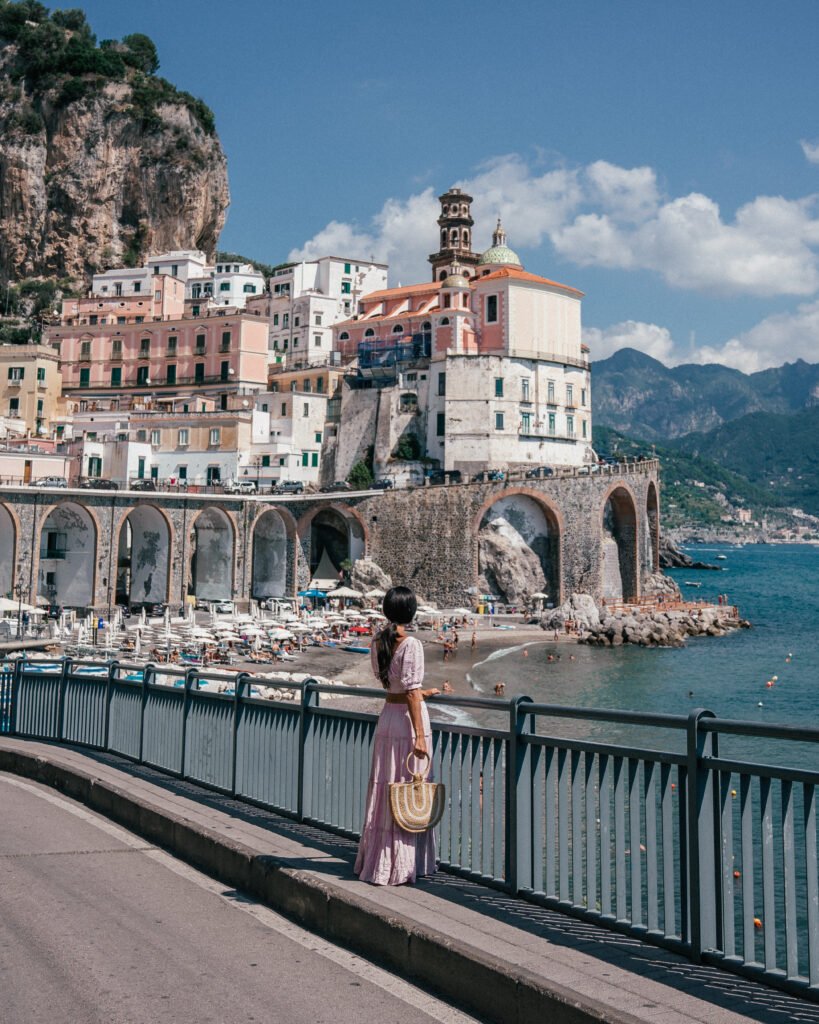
[710, 856]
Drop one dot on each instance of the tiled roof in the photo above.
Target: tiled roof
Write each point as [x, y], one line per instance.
[524, 275]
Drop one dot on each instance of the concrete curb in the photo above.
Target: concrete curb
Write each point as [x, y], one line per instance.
[488, 986]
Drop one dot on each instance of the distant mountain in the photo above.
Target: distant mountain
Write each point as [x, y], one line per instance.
[641, 397]
[774, 452]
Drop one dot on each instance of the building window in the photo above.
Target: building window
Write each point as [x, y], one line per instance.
[319, 385]
[120, 319]
[156, 438]
[344, 336]
[182, 472]
[285, 319]
[444, 321]
[550, 392]
[200, 344]
[144, 348]
[157, 296]
[172, 345]
[318, 437]
[85, 350]
[116, 348]
[284, 408]
[318, 320]
[398, 329]
[441, 383]
[440, 424]
[215, 436]
[117, 289]
[369, 333]
[85, 377]
[282, 460]
[584, 428]
[116, 376]
[314, 459]
[137, 286]
[40, 373]
[305, 458]
[552, 423]
[225, 340]
[224, 370]
[524, 389]
[491, 309]
[14, 406]
[526, 422]
[499, 387]
[306, 409]
[346, 268]
[213, 476]
[182, 437]
[142, 375]
[569, 394]
[307, 386]
[498, 421]
[249, 289]
[92, 319]
[345, 288]
[275, 319]
[265, 461]
[570, 426]
[199, 373]
[583, 397]
[170, 374]
[139, 319]
[293, 384]
[224, 286]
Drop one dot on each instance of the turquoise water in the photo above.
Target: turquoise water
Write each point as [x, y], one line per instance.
[775, 586]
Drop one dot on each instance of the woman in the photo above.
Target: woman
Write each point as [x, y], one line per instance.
[387, 855]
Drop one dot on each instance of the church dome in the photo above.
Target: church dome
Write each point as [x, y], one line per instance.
[499, 254]
[455, 281]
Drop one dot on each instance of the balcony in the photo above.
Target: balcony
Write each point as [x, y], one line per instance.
[199, 350]
[224, 347]
[52, 554]
[538, 429]
[15, 382]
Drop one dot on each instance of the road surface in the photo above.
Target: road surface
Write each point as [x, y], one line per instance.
[99, 927]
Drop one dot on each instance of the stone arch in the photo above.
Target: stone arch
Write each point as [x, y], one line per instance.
[519, 546]
[652, 528]
[67, 556]
[144, 556]
[338, 529]
[273, 533]
[213, 546]
[619, 576]
[8, 550]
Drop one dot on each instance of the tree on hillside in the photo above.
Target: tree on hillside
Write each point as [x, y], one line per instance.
[141, 53]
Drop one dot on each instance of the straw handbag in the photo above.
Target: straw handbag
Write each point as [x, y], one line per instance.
[418, 805]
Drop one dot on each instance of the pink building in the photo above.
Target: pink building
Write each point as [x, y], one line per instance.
[163, 357]
[157, 297]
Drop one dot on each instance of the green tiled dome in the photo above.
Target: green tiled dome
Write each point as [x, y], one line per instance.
[501, 254]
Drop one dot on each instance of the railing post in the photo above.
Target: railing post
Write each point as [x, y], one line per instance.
[191, 683]
[518, 798]
[242, 680]
[16, 676]
[147, 675]
[113, 673]
[66, 672]
[309, 699]
[704, 876]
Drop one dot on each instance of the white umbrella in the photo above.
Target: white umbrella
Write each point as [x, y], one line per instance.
[375, 592]
[281, 634]
[345, 592]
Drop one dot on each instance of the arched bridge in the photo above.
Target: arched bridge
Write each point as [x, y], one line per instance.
[596, 532]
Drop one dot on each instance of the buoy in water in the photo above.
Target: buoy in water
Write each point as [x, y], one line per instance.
[774, 678]
[733, 792]
[760, 704]
[757, 922]
[769, 683]
[737, 874]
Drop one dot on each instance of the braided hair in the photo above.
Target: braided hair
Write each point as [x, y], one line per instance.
[399, 607]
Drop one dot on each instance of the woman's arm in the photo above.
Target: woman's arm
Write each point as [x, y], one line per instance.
[414, 700]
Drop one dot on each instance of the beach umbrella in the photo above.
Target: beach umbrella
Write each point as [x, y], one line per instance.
[375, 593]
[281, 634]
[346, 592]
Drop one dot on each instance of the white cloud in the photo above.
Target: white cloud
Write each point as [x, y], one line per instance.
[781, 338]
[811, 151]
[607, 216]
[651, 339]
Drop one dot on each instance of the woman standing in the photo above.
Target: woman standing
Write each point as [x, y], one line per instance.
[387, 855]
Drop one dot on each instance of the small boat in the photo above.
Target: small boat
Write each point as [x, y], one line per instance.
[691, 583]
[356, 649]
[722, 558]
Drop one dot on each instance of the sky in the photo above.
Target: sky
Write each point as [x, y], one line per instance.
[661, 157]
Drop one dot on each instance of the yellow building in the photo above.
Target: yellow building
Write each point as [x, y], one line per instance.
[31, 387]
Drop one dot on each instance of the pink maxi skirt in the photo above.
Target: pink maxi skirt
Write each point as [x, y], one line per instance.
[387, 855]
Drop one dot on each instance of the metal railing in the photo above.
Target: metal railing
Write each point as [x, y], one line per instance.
[711, 856]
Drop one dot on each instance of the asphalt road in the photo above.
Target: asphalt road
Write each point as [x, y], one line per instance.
[99, 927]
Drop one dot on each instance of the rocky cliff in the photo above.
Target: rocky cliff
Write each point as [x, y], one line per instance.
[100, 160]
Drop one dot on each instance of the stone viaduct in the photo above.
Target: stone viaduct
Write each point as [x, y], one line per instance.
[597, 533]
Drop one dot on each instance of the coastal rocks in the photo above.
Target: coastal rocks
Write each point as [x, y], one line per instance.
[511, 569]
[659, 628]
[672, 558]
[367, 575]
[658, 583]
[579, 609]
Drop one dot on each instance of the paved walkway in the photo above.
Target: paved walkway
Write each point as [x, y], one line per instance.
[499, 957]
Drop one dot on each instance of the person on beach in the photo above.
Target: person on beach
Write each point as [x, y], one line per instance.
[388, 855]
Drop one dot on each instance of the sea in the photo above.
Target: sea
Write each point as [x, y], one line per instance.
[766, 674]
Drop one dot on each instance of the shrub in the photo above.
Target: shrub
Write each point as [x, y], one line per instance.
[408, 448]
[360, 476]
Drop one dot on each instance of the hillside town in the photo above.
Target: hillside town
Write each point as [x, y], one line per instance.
[185, 374]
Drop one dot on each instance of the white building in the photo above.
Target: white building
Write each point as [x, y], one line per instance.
[288, 433]
[305, 301]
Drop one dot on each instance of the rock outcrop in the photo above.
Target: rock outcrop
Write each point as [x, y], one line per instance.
[580, 609]
[658, 628]
[98, 171]
[672, 558]
[511, 569]
[366, 575]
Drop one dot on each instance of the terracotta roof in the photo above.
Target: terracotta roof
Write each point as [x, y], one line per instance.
[524, 275]
[395, 293]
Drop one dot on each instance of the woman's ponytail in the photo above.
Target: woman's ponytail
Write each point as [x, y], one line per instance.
[399, 607]
[385, 644]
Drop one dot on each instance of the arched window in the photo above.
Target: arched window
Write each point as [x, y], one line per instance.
[369, 333]
[466, 236]
[398, 329]
[344, 336]
[443, 237]
[444, 321]
[464, 210]
[453, 236]
[426, 326]
[442, 276]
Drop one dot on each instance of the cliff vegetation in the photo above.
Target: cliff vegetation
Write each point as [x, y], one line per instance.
[101, 160]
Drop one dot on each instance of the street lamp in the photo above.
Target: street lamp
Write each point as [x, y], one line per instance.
[18, 590]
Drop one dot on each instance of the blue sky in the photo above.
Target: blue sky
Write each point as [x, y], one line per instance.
[658, 156]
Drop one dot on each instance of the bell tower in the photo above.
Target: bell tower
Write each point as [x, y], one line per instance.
[455, 236]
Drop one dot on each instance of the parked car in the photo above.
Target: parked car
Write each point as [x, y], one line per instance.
[153, 609]
[539, 471]
[144, 484]
[290, 487]
[444, 476]
[49, 481]
[385, 484]
[240, 487]
[336, 485]
[226, 607]
[98, 483]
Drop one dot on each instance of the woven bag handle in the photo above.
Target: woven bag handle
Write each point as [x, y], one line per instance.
[418, 776]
